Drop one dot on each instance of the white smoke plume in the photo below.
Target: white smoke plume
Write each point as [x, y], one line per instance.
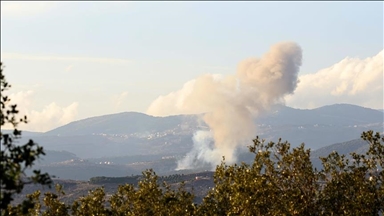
[352, 80]
[50, 117]
[231, 102]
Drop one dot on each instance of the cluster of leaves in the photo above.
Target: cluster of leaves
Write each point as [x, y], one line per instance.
[149, 198]
[280, 181]
[15, 159]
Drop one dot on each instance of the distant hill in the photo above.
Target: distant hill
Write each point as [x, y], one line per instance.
[84, 170]
[336, 115]
[122, 123]
[319, 127]
[358, 146]
[23, 133]
[132, 133]
[127, 143]
[56, 157]
[133, 122]
[344, 148]
[81, 169]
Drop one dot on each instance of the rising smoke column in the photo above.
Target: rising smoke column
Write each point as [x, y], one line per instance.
[232, 102]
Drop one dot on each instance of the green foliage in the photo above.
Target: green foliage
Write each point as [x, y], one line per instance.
[282, 181]
[279, 182]
[16, 159]
[152, 199]
[354, 188]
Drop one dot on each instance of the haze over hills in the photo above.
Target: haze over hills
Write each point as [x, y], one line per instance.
[132, 142]
[337, 114]
[80, 169]
[321, 126]
[123, 123]
[358, 146]
[133, 133]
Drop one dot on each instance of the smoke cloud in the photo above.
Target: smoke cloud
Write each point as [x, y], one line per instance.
[231, 102]
[352, 80]
[50, 117]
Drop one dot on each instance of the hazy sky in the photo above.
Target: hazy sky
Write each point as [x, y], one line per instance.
[72, 60]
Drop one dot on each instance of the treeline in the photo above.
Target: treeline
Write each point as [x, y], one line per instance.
[134, 179]
[115, 180]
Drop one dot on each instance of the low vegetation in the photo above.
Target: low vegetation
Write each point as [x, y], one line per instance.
[280, 181]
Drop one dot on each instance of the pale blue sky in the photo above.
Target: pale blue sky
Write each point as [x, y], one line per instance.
[91, 52]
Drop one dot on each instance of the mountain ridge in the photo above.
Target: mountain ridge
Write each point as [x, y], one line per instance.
[324, 111]
[134, 133]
